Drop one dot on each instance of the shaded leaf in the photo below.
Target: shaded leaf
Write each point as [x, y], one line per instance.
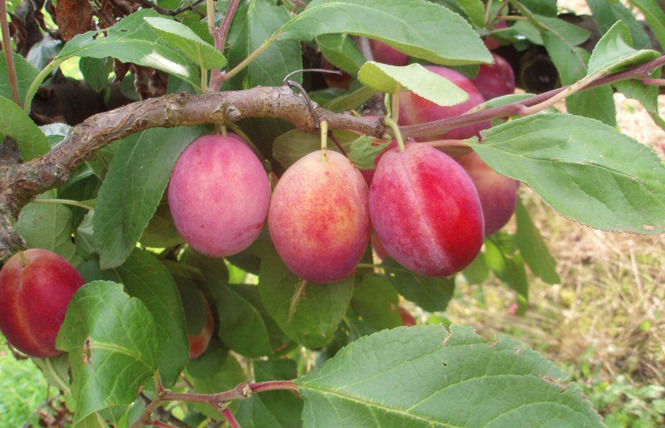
[586, 170]
[533, 248]
[430, 293]
[428, 377]
[25, 74]
[15, 123]
[47, 226]
[614, 52]
[377, 302]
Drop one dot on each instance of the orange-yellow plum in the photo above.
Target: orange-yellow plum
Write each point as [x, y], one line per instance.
[319, 217]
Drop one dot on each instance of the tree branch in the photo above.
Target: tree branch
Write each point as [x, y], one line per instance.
[7, 47]
[20, 183]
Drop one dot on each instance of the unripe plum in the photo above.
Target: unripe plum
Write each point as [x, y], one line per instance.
[426, 211]
[498, 193]
[495, 80]
[414, 109]
[219, 195]
[387, 54]
[319, 217]
[34, 295]
[198, 342]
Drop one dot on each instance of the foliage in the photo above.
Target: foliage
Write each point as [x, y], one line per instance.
[338, 344]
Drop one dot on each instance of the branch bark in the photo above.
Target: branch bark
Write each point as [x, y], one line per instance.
[21, 182]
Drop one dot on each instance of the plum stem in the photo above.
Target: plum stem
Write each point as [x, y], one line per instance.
[398, 134]
[324, 141]
[395, 103]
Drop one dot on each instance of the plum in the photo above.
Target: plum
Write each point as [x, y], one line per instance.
[414, 109]
[199, 340]
[495, 80]
[319, 217]
[498, 193]
[387, 54]
[35, 291]
[219, 195]
[426, 210]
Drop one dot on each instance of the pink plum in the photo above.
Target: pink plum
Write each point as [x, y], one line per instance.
[426, 211]
[387, 54]
[319, 217]
[495, 80]
[219, 195]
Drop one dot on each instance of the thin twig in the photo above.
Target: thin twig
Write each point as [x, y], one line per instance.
[230, 418]
[220, 35]
[7, 47]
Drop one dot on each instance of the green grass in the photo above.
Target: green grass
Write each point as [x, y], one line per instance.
[23, 389]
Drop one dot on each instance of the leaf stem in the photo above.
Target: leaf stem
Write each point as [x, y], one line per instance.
[324, 141]
[7, 47]
[398, 134]
[274, 385]
[251, 57]
[64, 202]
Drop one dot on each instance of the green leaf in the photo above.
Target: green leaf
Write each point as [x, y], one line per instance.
[25, 74]
[292, 145]
[47, 226]
[112, 344]
[341, 50]
[571, 63]
[377, 302]
[533, 248]
[16, 123]
[132, 40]
[586, 170]
[415, 78]
[351, 100]
[477, 272]
[475, 10]
[568, 33]
[654, 15]
[133, 188]
[96, 72]
[254, 23]
[427, 377]
[508, 266]
[147, 279]
[223, 372]
[240, 320]
[614, 52]
[416, 27]
[364, 151]
[275, 409]
[541, 7]
[187, 42]
[430, 293]
[308, 313]
[605, 14]
[647, 95]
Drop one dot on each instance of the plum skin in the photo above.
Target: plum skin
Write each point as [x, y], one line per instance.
[198, 343]
[414, 109]
[498, 193]
[319, 217]
[35, 298]
[219, 195]
[387, 54]
[426, 211]
[495, 80]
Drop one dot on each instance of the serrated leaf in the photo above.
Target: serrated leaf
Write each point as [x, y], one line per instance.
[277, 409]
[132, 40]
[647, 95]
[568, 33]
[364, 151]
[586, 170]
[341, 50]
[475, 10]
[415, 78]
[308, 313]
[147, 279]
[416, 27]
[112, 344]
[614, 52]
[16, 123]
[571, 63]
[653, 12]
[255, 22]
[533, 248]
[426, 377]
[605, 14]
[47, 226]
[430, 293]
[25, 74]
[133, 188]
[180, 36]
[508, 266]
[377, 302]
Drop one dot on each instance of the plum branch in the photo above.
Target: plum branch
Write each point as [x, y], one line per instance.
[21, 182]
[219, 401]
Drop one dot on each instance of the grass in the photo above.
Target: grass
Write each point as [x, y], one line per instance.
[23, 389]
